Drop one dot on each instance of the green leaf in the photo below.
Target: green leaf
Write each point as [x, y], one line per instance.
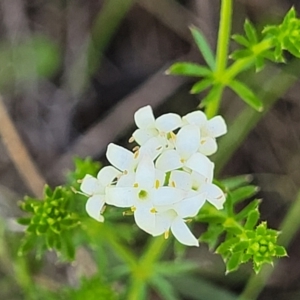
[240, 53]
[280, 251]
[246, 210]
[240, 39]
[211, 235]
[233, 183]
[252, 219]
[203, 47]
[200, 86]
[246, 94]
[24, 221]
[243, 193]
[240, 246]
[164, 288]
[234, 261]
[213, 94]
[188, 69]
[250, 32]
[28, 243]
[259, 63]
[226, 246]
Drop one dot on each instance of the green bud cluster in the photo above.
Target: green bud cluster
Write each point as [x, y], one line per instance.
[51, 219]
[258, 245]
[286, 36]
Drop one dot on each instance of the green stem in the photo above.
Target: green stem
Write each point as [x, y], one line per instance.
[273, 89]
[222, 51]
[289, 227]
[145, 267]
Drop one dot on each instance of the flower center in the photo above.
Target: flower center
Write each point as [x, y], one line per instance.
[143, 194]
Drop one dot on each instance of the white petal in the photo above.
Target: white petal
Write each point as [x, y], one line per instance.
[145, 173]
[163, 222]
[126, 180]
[121, 196]
[197, 118]
[152, 148]
[208, 146]
[144, 118]
[189, 207]
[107, 174]
[160, 177]
[120, 157]
[168, 160]
[217, 126]
[141, 136]
[181, 180]
[182, 233]
[144, 218]
[167, 195]
[187, 141]
[90, 185]
[214, 195]
[168, 122]
[94, 206]
[201, 164]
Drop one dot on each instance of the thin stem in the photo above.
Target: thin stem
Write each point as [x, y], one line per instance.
[222, 51]
[144, 270]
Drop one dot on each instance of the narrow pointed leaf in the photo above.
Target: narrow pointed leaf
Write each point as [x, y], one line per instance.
[250, 32]
[213, 94]
[234, 261]
[188, 69]
[252, 219]
[203, 47]
[246, 94]
[233, 183]
[200, 86]
[243, 193]
[240, 39]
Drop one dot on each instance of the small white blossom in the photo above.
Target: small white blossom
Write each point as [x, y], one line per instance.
[94, 188]
[209, 130]
[149, 127]
[143, 193]
[185, 153]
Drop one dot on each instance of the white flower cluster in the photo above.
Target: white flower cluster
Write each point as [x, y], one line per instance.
[166, 179]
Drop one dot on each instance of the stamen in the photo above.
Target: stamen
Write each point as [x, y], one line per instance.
[173, 184]
[153, 210]
[166, 234]
[173, 135]
[103, 209]
[136, 185]
[136, 154]
[136, 148]
[133, 208]
[131, 140]
[156, 183]
[78, 192]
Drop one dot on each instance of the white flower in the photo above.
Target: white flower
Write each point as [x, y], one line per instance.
[204, 185]
[127, 161]
[172, 217]
[94, 188]
[185, 155]
[142, 191]
[149, 127]
[209, 130]
[200, 186]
